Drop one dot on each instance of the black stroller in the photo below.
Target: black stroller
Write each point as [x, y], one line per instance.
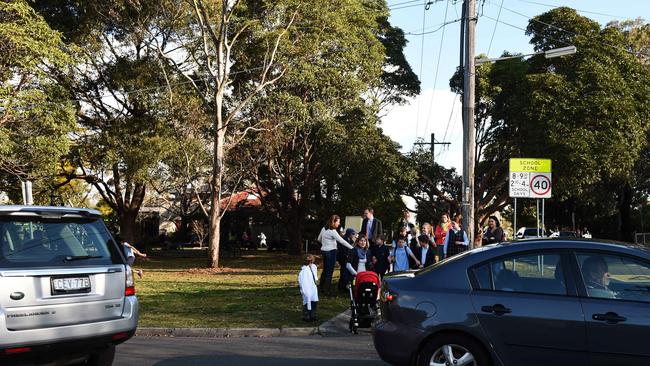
[363, 307]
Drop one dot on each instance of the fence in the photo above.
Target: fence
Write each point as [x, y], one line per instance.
[642, 239]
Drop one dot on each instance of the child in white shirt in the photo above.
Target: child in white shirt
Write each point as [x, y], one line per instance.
[307, 281]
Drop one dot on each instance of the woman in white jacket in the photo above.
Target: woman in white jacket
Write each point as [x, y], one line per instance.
[328, 238]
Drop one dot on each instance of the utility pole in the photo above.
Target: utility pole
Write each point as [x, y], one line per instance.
[468, 120]
[432, 144]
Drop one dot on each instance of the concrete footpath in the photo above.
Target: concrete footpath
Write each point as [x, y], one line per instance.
[335, 327]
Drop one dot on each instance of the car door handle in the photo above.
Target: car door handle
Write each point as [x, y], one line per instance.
[609, 317]
[497, 309]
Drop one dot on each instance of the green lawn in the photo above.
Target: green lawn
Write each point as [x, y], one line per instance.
[258, 290]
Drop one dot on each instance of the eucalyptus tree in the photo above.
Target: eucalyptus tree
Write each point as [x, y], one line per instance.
[36, 114]
[123, 130]
[319, 149]
[207, 45]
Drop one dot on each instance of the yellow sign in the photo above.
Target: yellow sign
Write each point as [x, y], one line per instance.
[530, 165]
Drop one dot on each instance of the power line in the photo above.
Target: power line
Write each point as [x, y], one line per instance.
[435, 79]
[204, 78]
[406, 6]
[453, 127]
[404, 2]
[451, 114]
[424, 18]
[438, 27]
[534, 19]
[580, 10]
[523, 29]
[495, 27]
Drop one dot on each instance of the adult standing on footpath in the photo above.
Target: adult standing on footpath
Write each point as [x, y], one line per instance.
[328, 238]
[456, 240]
[380, 254]
[371, 226]
[441, 233]
[342, 257]
[494, 233]
[407, 222]
[358, 257]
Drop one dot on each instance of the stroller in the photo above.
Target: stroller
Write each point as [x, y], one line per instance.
[363, 301]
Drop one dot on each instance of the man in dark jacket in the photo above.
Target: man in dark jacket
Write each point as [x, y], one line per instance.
[424, 253]
[406, 222]
[371, 227]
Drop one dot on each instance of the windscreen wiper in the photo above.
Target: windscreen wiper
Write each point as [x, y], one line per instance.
[71, 258]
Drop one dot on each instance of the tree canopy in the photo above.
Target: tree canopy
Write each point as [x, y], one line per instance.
[587, 112]
[36, 113]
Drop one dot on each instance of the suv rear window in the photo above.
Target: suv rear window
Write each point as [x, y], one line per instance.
[55, 242]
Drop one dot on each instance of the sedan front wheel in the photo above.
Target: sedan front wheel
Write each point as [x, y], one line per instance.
[453, 350]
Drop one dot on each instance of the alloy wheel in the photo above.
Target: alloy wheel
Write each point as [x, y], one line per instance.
[452, 355]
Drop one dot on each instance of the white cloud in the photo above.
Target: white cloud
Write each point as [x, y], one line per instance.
[434, 117]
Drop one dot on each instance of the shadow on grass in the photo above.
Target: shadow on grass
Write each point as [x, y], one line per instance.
[257, 261]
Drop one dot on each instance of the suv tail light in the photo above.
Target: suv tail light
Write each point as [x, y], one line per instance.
[129, 288]
[11, 351]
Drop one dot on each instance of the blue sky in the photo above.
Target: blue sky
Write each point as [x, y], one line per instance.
[432, 110]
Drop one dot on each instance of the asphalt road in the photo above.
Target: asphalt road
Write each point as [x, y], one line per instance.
[276, 351]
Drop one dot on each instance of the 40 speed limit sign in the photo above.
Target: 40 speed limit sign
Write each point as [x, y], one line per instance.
[530, 178]
[540, 185]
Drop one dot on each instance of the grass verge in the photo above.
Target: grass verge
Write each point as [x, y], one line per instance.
[259, 289]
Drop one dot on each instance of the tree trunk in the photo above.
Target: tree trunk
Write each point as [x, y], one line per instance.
[625, 208]
[217, 181]
[294, 231]
[127, 220]
[215, 230]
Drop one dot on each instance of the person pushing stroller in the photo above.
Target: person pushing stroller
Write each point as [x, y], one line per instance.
[363, 294]
[363, 298]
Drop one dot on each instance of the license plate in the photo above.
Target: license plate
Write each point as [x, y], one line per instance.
[66, 285]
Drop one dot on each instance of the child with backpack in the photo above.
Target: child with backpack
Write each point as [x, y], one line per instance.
[400, 255]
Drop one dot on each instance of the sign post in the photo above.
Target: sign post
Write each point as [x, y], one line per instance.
[530, 178]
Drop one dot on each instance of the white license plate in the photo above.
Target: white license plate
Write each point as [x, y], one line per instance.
[71, 284]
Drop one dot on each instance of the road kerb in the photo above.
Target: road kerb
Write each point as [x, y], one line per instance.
[226, 332]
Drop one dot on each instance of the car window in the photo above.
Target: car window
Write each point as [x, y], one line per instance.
[533, 232]
[539, 273]
[614, 277]
[35, 242]
[482, 275]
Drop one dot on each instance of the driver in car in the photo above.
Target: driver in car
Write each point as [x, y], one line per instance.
[596, 275]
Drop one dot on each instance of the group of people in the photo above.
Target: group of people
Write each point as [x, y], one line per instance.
[367, 251]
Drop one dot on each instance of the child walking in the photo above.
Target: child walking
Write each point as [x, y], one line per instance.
[401, 254]
[307, 281]
[130, 252]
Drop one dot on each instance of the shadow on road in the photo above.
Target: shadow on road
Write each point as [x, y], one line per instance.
[232, 360]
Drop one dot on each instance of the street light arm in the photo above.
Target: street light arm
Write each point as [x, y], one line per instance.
[480, 61]
[556, 52]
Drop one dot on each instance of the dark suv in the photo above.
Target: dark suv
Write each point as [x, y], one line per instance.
[66, 292]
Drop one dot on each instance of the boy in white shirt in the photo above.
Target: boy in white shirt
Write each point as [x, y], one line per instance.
[307, 281]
